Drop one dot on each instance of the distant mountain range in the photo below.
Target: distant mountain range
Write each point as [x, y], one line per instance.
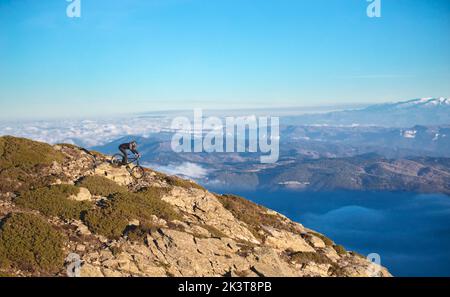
[369, 172]
[424, 111]
[343, 141]
[317, 159]
[394, 146]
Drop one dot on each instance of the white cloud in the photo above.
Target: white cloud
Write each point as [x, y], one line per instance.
[187, 169]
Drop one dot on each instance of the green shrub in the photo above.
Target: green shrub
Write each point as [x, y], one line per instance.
[337, 271]
[155, 206]
[29, 243]
[183, 183]
[53, 201]
[340, 250]
[154, 192]
[2, 145]
[307, 257]
[113, 216]
[105, 222]
[139, 233]
[25, 153]
[22, 162]
[100, 186]
[13, 179]
[326, 240]
[115, 250]
[254, 215]
[356, 254]
[16, 179]
[68, 145]
[245, 249]
[141, 206]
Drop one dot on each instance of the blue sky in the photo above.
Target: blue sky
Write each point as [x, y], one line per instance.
[128, 56]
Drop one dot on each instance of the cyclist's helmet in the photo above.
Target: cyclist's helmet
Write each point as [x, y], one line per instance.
[133, 144]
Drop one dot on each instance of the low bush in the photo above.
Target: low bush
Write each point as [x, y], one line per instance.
[139, 233]
[113, 216]
[326, 240]
[53, 201]
[100, 186]
[154, 192]
[25, 153]
[307, 257]
[16, 179]
[22, 162]
[155, 206]
[105, 222]
[183, 183]
[115, 250]
[254, 215]
[356, 254]
[340, 250]
[29, 243]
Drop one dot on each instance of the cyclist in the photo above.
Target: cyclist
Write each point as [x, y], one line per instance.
[131, 146]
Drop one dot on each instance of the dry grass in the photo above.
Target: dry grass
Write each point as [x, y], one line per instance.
[340, 250]
[307, 257]
[183, 183]
[100, 186]
[111, 219]
[254, 215]
[326, 240]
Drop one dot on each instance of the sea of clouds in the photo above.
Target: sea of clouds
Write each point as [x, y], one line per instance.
[95, 132]
[86, 132]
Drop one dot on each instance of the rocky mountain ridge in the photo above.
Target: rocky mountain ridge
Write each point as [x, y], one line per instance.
[65, 210]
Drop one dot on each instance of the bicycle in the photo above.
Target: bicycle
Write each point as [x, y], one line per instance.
[137, 171]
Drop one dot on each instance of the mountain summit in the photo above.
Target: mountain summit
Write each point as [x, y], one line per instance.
[63, 208]
[414, 103]
[424, 111]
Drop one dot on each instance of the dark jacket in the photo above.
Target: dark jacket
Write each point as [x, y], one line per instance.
[128, 146]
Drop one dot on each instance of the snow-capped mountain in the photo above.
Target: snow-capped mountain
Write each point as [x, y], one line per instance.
[415, 103]
[423, 111]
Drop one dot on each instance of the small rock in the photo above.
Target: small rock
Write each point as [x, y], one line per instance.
[134, 222]
[80, 248]
[82, 229]
[83, 195]
[283, 240]
[317, 242]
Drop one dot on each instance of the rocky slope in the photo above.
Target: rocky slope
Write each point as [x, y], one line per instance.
[58, 203]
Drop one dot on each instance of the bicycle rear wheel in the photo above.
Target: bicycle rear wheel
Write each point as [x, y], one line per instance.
[116, 160]
[137, 172]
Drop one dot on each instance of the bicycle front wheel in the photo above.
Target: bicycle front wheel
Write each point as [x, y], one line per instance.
[137, 172]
